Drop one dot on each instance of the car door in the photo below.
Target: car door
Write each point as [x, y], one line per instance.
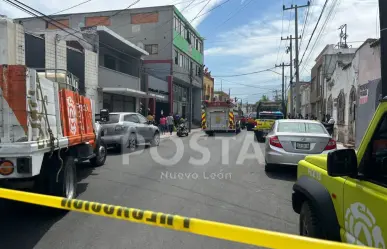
[145, 128]
[365, 198]
[131, 123]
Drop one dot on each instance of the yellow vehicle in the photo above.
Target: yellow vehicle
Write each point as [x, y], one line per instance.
[342, 196]
[264, 122]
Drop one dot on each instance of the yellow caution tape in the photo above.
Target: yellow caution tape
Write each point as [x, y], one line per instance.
[246, 235]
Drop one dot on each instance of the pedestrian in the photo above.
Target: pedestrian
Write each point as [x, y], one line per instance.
[150, 118]
[170, 123]
[163, 124]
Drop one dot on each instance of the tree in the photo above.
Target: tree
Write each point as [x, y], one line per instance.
[263, 98]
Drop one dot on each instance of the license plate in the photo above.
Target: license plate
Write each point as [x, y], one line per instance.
[303, 146]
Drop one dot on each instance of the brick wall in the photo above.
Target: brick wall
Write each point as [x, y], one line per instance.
[91, 78]
[61, 52]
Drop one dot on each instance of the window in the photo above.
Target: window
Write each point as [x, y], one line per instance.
[196, 44]
[176, 56]
[373, 164]
[180, 60]
[109, 62]
[152, 48]
[300, 127]
[113, 118]
[188, 36]
[131, 118]
[142, 119]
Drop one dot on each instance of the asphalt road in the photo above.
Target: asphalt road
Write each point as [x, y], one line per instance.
[228, 185]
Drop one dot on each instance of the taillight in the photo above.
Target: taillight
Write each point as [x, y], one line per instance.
[331, 145]
[274, 141]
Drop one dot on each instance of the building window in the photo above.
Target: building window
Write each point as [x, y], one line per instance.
[109, 62]
[176, 56]
[152, 48]
[341, 108]
[180, 60]
[196, 44]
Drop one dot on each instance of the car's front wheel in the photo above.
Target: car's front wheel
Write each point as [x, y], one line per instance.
[310, 224]
[156, 139]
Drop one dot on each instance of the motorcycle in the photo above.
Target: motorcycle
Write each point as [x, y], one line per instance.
[182, 130]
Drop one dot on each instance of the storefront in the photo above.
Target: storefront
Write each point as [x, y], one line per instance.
[180, 100]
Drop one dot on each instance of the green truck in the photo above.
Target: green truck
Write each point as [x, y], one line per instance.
[342, 196]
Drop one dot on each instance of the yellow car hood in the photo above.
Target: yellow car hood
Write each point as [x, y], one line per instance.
[318, 160]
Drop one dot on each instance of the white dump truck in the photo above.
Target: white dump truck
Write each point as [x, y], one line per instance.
[45, 128]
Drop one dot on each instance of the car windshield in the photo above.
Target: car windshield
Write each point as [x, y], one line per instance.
[269, 116]
[301, 127]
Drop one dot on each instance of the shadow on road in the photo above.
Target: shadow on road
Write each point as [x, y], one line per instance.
[284, 174]
[23, 225]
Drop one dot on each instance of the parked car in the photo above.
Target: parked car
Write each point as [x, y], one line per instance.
[290, 140]
[129, 129]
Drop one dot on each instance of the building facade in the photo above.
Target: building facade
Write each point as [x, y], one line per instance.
[208, 85]
[321, 71]
[221, 96]
[174, 48]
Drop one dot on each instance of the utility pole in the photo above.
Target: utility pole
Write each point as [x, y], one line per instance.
[296, 7]
[190, 99]
[283, 65]
[383, 44]
[290, 51]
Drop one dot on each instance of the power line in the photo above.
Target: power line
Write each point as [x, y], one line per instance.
[108, 17]
[303, 29]
[197, 15]
[58, 24]
[282, 30]
[237, 75]
[217, 6]
[72, 7]
[314, 30]
[239, 10]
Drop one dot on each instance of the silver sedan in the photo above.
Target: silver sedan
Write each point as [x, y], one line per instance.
[128, 129]
[290, 140]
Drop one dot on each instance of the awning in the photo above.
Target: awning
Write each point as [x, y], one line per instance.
[126, 91]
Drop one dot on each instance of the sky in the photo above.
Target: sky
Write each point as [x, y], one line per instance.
[244, 36]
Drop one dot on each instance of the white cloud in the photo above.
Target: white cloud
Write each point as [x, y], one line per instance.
[52, 6]
[256, 43]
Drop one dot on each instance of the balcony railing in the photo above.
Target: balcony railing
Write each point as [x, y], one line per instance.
[111, 78]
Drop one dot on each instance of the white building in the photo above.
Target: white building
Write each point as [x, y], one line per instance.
[305, 100]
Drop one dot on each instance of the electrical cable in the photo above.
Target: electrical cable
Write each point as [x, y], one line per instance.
[69, 8]
[108, 17]
[304, 27]
[237, 75]
[314, 30]
[235, 13]
[58, 24]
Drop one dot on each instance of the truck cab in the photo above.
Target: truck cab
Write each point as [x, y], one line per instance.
[341, 196]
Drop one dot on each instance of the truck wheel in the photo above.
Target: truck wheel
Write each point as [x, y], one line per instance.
[66, 186]
[310, 225]
[100, 156]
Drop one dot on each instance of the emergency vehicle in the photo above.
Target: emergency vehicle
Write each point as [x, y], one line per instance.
[218, 116]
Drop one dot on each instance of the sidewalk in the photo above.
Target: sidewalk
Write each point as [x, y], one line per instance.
[167, 135]
[341, 146]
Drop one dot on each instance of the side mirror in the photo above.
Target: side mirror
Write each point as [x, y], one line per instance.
[104, 115]
[342, 163]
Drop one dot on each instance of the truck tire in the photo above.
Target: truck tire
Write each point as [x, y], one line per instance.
[66, 186]
[100, 155]
[310, 225]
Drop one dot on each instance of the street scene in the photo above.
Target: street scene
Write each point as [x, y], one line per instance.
[193, 124]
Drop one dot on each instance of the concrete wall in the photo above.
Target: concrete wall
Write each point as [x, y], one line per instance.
[147, 33]
[91, 75]
[111, 78]
[12, 43]
[55, 57]
[369, 65]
